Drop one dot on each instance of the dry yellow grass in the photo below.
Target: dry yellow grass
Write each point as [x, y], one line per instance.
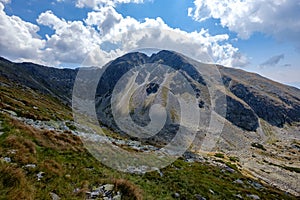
[13, 183]
[129, 190]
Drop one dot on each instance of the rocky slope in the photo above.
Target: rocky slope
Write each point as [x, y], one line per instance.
[261, 120]
[249, 96]
[47, 80]
[42, 157]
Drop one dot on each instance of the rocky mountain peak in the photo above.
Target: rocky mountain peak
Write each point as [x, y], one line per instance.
[249, 96]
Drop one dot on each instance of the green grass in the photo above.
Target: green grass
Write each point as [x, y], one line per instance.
[259, 146]
[68, 165]
[234, 159]
[292, 169]
[67, 168]
[30, 104]
[219, 155]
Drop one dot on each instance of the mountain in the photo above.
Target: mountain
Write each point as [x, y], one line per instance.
[249, 95]
[258, 119]
[47, 80]
[246, 102]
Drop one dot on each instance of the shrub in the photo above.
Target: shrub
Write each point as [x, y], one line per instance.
[234, 159]
[219, 155]
[259, 146]
[128, 189]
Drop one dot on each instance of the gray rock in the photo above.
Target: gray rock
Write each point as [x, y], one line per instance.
[268, 100]
[54, 196]
[257, 185]
[12, 151]
[238, 196]
[240, 114]
[105, 191]
[117, 197]
[76, 190]
[7, 159]
[199, 197]
[176, 195]
[238, 181]
[108, 193]
[295, 146]
[40, 175]
[30, 166]
[192, 157]
[108, 187]
[12, 113]
[229, 169]
[253, 196]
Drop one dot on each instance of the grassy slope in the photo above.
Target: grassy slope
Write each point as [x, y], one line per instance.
[67, 165]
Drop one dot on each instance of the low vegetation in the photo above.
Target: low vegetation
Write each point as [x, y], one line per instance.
[259, 146]
[67, 169]
[219, 155]
[289, 168]
[234, 159]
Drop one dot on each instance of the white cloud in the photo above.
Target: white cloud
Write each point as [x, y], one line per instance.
[128, 34]
[72, 41]
[106, 18]
[279, 18]
[5, 1]
[19, 39]
[97, 4]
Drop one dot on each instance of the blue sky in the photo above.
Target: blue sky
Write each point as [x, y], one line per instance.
[254, 36]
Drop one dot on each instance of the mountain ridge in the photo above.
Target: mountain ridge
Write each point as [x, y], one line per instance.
[261, 124]
[282, 102]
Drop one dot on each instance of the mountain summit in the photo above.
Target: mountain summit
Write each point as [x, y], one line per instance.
[250, 97]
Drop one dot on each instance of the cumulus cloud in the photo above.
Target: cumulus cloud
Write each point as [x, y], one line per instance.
[106, 18]
[279, 18]
[104, 35]
[97, 4]
[274, 60]
[71, 41]
[19, 39]
[128, 34]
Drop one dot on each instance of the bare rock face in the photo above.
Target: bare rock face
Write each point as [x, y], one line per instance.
[273, 102]
[249, 96]
[241, 115]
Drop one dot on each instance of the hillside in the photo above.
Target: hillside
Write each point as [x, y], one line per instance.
[258, 147]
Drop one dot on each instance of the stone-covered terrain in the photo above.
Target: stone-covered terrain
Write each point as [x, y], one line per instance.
[43, 156]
